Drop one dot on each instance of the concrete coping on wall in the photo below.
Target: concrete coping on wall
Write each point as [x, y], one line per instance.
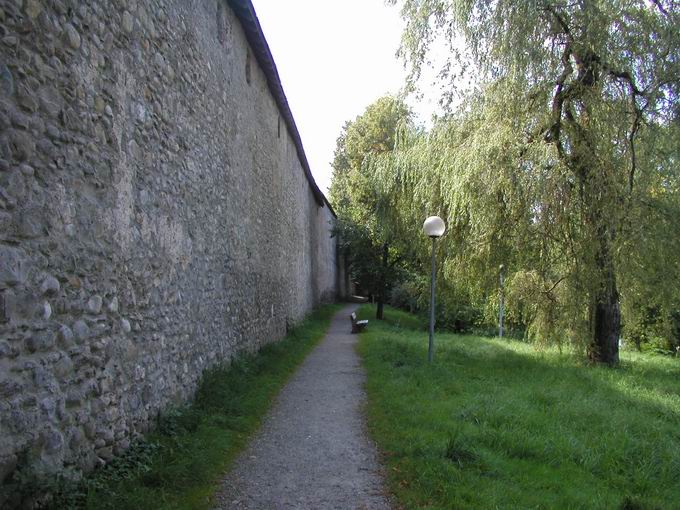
[245, 12]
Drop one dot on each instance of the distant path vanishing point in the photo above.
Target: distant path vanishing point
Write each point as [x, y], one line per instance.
[312, 451]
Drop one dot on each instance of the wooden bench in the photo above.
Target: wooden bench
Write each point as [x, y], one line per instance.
[357, 326]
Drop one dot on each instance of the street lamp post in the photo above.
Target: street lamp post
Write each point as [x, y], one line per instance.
[501, 307]
[434, 227]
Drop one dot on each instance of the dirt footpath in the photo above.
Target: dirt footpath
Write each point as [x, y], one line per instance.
[312, 451]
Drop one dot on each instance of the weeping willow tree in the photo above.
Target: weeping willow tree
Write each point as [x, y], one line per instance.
[562, 161]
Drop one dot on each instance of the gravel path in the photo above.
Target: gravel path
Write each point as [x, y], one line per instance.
[312, 451]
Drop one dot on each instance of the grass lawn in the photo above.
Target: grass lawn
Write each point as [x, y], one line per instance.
[493, 423]
[179, 465]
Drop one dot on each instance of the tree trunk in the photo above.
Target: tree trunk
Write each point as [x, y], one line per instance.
[607, 327]
[570, 108]
[380, 310]
[604, 347]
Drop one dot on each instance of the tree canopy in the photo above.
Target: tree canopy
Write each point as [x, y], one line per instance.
[561, 162]
[370, 225]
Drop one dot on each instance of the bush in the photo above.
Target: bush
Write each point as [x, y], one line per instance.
[653, 329]
[405, 296]
[454, 308]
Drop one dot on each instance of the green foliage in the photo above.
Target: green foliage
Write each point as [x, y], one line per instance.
[358, 198]
[179, 465]
[454, 310]
[365, 257]
[407, 295]
[33, 489]
[500, 424]
[561, 162]
[369, 224]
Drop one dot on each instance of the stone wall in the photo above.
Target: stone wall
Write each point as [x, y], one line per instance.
[155, 218]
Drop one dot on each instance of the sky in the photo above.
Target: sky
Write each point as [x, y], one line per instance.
[334, 58]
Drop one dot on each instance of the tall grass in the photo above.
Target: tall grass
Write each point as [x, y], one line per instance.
[494, 423]
[179, 465]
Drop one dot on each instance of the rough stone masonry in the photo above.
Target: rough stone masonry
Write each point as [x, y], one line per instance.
[156, 217]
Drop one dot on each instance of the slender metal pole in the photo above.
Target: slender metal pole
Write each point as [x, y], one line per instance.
[501, 308]
[430, 349]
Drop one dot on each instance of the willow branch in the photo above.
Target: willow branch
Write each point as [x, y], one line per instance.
[553, 287]
[660, 7]
[635, 92]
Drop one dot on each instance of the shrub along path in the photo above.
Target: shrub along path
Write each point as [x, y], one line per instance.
[312, 450]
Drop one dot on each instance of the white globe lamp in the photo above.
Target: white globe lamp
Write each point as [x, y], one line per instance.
[434, 226]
